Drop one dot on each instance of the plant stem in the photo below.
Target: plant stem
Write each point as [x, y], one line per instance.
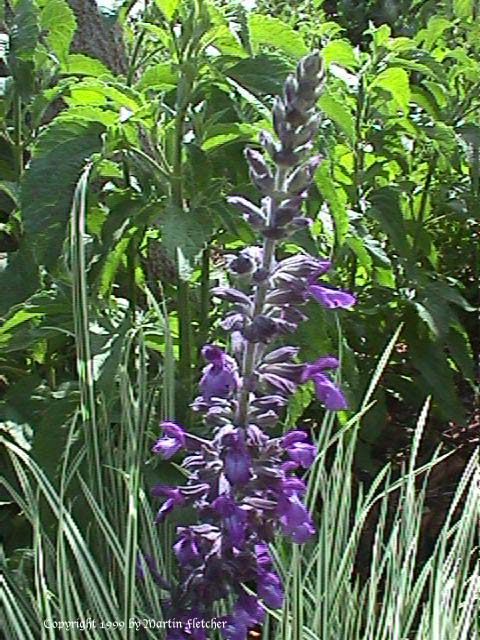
[183, 289]
[18, 144]
[250, 355]
[204, 297]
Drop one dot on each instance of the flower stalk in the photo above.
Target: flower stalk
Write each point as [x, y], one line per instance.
[244, 483]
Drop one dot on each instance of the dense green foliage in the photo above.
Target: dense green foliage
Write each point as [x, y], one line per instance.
[114, 223]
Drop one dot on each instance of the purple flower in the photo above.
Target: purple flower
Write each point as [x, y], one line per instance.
[240, 481]
[326, 391]
[145, 560]
[233, 629]
[174, 498]
[172, 440]
[186, 548]
[237, 465]
[329, 297]
[269, 588]
[302, 453]
[234, 519]
[295, 520]
[249, 610]
[220, 377]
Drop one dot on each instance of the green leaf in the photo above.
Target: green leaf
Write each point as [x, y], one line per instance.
[81, 65]
[463, 8]
[385, 208]
[25, 32]
[49, 183]
[159, 76]
[19, 277]
[168, 7]
[59, 20]
[230, 132]
[326, 186]
[297, 404]
[395, 81]
[461, 351]
[435, 312]
[339, 113]
[341, 52]
[263, 74]
[429, 358]
[185, 231]
[267, 30]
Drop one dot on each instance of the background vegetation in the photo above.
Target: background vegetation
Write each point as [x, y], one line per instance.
[121, 136]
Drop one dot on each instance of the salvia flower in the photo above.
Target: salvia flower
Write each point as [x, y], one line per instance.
[244, 482]
[172, 440]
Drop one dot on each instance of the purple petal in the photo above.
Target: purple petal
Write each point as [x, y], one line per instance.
[269, 588]
[237, 466]
[291, 437]
[302, 453]
[328, 393]
[331, 298]
[233, 629]
[319, 365]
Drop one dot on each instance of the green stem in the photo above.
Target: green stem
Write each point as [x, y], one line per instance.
[132, 67]
[18, 143]
[183, 289]
[204, 297]
[424, 199]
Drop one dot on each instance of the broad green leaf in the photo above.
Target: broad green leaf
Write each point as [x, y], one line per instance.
[49, 183]
[158, 76]
[263, 74]
[19, 277]
[267, 30]
[341, 52]
[435, 312]
[435, 27]
[81, 65]
[326, 186]
[230, 132]
[92, 91]
[463, 8]
[339, 113]
[59, 20]
[226, 42]
[168, 7]
[385, 208]
[25, 32]
[395, 81]
[430, 360]
[297, 404]
[185, 231]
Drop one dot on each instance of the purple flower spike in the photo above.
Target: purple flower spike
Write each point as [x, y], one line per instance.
[241, 482]
[172, 440]
[329, 297]
[220, 377]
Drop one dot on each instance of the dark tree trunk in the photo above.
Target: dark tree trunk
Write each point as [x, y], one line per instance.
[96, 37]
